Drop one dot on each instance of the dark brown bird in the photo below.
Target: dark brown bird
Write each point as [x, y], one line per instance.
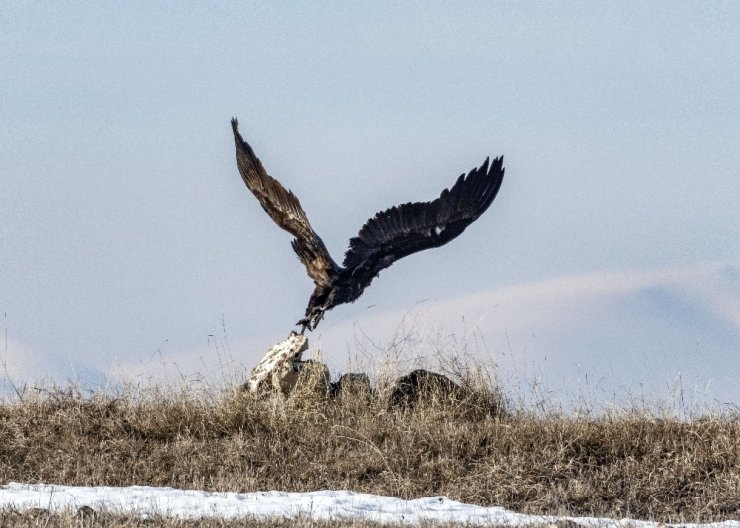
[388, 236]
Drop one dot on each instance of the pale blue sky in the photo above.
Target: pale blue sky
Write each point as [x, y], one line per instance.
[126, 231]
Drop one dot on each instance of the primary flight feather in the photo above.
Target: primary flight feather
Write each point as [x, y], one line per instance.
[388, 236]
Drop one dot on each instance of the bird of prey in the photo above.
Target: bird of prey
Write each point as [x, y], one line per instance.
[388, 236]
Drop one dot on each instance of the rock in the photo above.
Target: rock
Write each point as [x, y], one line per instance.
[312, 375]
[282, 369]
[421, 384]
[351, 383]
[86, 512]
[279, 358]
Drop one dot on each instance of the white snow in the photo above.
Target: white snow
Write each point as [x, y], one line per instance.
[188, 504]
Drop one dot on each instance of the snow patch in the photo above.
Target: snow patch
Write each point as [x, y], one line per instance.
[189, 504]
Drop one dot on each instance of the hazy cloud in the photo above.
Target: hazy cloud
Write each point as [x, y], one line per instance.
[613, 333]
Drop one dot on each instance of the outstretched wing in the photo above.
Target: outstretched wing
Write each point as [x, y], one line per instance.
[411, 227]
[285, 209]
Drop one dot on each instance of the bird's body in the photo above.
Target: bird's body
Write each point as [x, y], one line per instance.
[388, 236]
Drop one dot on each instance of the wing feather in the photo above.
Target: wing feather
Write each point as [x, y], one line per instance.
[405, 229]
[285, 209]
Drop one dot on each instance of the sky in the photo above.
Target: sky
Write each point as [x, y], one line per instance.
[608, 265]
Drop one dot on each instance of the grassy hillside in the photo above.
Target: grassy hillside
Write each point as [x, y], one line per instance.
[463, 446]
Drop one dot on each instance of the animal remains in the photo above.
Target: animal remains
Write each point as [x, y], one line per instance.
[388, 236]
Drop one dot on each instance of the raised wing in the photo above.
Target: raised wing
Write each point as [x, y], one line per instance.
[285, 209]
[411, 227]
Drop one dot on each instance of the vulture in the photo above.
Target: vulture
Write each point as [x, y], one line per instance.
[388, 236]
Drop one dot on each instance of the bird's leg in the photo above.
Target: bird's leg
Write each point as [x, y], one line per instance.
[304, 323]
[316, 319]
[311, 321]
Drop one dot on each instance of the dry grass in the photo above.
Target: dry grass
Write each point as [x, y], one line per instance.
[632, 464]
[76, 519]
